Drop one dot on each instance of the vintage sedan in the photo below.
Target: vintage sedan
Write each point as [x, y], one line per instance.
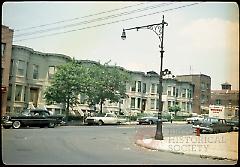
[149, 120]
[214, 125]
[32, 118]
[105, 118]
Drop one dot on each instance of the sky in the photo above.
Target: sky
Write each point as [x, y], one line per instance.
[201, 37]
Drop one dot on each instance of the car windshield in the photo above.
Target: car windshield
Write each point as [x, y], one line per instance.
[100, 115]
[214, 120]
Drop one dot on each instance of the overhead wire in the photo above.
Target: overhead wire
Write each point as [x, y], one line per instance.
[93, 20]
[166, 10]
[77, 18]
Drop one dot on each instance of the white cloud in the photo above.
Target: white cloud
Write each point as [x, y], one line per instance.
[211, 33]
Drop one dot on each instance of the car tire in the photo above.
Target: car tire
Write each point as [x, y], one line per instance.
[51, 125]
[6, 127]
[100, 123]
[16, 124]
[150, 122]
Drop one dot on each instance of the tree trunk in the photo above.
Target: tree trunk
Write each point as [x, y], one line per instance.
[67, 108]
[101, 105]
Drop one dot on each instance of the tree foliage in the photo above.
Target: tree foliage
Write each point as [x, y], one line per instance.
[98, 82]
[174, 109]
[68, 82]
[108, 83]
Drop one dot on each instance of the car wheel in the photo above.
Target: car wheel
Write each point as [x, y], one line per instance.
[100, 123]
[150, 122]
[51, 125]
[16, 124]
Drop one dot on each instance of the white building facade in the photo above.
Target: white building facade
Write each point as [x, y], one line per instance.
[31, 72]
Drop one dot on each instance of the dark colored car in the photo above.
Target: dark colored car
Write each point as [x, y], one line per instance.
[234, 122]
[214, 125]
[150, 120]
[33, 118]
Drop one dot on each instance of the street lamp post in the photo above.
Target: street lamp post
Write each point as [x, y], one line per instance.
[159, 31]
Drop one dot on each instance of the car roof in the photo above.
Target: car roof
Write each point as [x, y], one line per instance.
[38, 110]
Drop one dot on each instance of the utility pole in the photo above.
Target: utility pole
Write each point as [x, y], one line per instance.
[159, 31]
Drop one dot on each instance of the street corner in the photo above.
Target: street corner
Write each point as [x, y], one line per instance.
[216, 146]
[151, 143]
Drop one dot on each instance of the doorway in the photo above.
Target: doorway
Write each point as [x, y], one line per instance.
[34, 92]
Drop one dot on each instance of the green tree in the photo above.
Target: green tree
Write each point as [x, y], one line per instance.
[68, 82]
[174, 109]
[107, 83]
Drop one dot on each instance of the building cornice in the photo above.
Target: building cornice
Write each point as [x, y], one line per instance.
[41, 53]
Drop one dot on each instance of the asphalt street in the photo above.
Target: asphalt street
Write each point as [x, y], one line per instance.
[93, 145]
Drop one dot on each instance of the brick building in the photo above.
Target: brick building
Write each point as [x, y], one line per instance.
[202, 91]
[6, 52]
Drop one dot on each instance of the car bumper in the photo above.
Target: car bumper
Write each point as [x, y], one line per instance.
[208, 129]
[7, 123]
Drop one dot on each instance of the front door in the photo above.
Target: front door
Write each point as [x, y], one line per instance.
[143, 104]
[34, 96]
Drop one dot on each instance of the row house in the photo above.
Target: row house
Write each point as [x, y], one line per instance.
[31, 72]
[143, 93]
[29, 76]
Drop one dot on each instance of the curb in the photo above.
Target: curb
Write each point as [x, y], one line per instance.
[141, 144]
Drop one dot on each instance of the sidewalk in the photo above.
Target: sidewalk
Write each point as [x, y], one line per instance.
[219, 146]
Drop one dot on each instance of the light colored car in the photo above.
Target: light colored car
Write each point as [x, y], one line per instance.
[193, 119]
[150, 120]
[104, 118]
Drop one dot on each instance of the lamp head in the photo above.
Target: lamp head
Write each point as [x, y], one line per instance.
[123, 35]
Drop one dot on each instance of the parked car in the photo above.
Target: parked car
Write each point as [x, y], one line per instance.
[234, 122]
[214, 125]
[149, 120]
[32, 118]
[191, 120]
[104, 118]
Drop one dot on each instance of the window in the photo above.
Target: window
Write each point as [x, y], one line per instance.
[18, 93]
[203, 98]
[35, 71]
[20, 68]
[174, 91]
[153, 88]
[218, 102]
[152, 103]
[51, 71]
[169, 104]
[157, 104]
[138, 102]
[110, 115]
[169, 92]
[134, 87]
[189, 93]
[157, 88]
[144, 87]
[183, 92]
[3, 48]
[139, 86]
[132, 102]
